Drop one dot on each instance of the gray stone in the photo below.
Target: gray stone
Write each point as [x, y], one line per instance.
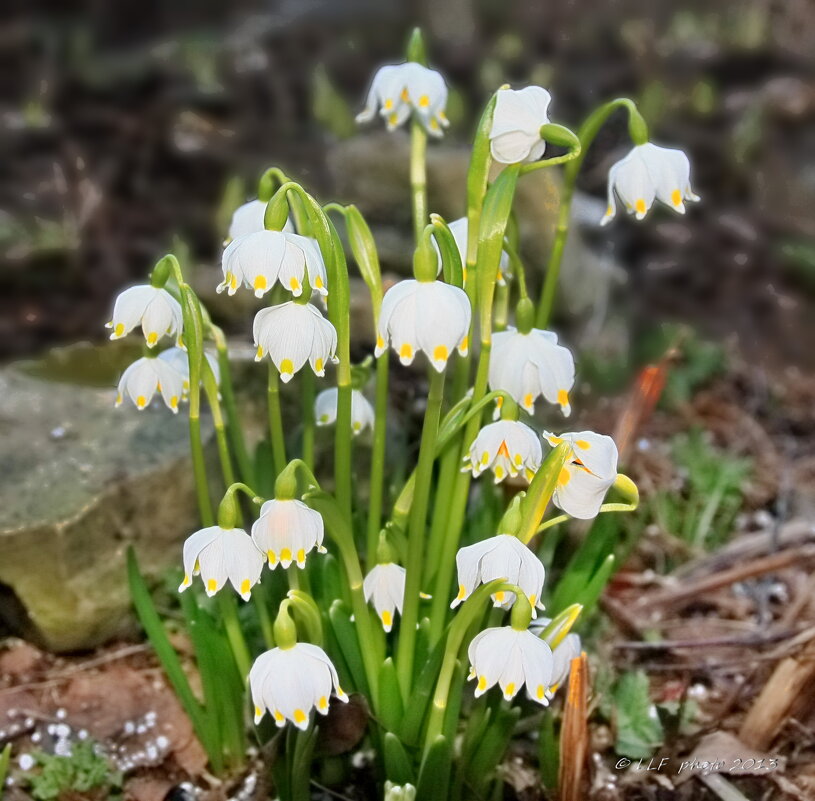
[81, 482]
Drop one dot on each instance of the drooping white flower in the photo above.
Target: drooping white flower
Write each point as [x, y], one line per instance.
[260, 259]
[516, 123]
[529, 365]
[293, 334]
[570, 647]
[290, 682]
[155, 308]
[458, 228]
[646, 173]
[508, 448]
[398, 90]
[286, 531]
[248, 219]
[588, 473]
[221, 555]
[146, 376]
[178, 359]
[510, 658]
[325, 410]
[503, 556]
[384, 587]
[428, 316]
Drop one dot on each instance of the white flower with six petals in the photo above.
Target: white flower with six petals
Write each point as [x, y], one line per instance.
[286, 531]
[156, 309]
[529, 365]
[646, 173]
[384, 587]
[503, 556]
[293, 334]
[325, 410]
[516, 123]
[290, 682]
[508, 448]
[398, 90]
[428, 316]
[588, 473]
[146, 376]
[221, 555]
[459, 228]
[178, 359]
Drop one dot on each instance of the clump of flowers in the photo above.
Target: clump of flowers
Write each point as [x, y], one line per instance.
[380, 578]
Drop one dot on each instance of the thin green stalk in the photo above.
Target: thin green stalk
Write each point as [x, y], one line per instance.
[418, 176]
[234, 633]
[308, 418]
[416, 533]
[586, 134]
[276, 436]
[199, 469]
[380, 438]
[458, 509]
[211, 391]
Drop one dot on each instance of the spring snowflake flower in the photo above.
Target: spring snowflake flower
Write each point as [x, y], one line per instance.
[516, 123]
[260, 259]
[290, 682]
[430, 316]
[646, 173]
[587, 474]
[286, 531]
[503, 556]
[398, 90]
[384, 587]
[293, 334]
[510, 658]
[146, 376]
[221, 555]
[458, 228]
[529, 365]
[178, 359]
[570, 647]
[325, 410]
[156, 309]
[508, 448]
[249, 219]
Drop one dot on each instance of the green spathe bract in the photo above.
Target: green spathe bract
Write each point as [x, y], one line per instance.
[431, 738]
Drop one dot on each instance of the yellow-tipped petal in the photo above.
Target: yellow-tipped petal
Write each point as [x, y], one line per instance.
[318, 366]
[406, 351]
[482, 682]
[299, 716]
[152, 338]
[246, 585]
[510, 690]
[322, 704]
[287, 366]
[212, 585]
[260, 283]
[440, 353]
[581, 443]
[141, 402]
[285, 555]
[676, 197]
[119, 330]
[563, 397]
[640, 207]
[424, 101]
[564, 477]
[388, 104]
[294, 284]
[387, 619]
[301, 556]
[405, 96]
[528, 398]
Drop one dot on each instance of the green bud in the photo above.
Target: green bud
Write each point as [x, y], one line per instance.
[637, 127]
[625, 486]
[285, 487]
[397, 792]
[161, 272]
[285, 630]
[277, 212]
[425, 260]
[511, 521]
[415, 48]
[384, 552]
[521, 615]
[228, 510]
[525, 315]
[559, 135]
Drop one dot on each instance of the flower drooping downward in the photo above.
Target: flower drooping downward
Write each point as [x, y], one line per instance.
[508, 448]
[146, 376]
[156, 309]
[384, 587]
[286, 531]
[516, 123]
[325, 410]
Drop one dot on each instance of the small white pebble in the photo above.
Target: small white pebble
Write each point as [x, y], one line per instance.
[162, 742]
[63, 730]
[26, 761]
[129, 727]
[82, 734]
[61, 714]
[36, 737]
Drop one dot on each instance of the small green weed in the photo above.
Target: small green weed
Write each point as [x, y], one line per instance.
[85, 773]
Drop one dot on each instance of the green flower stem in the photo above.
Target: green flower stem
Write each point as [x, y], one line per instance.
[378, 449]
[234, 633]
[308, 417]
[541, 490]
[458, 508]
[470, 612]
[276, 437]
[501, 308]
[416, 533]
[448, 470]
[586, 134]
[234, 427]
[418, 176]
[371, 637]
[211, 391]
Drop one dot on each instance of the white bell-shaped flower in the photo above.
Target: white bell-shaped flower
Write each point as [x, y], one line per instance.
[510, 658]
[293, 334]
[588, 473]
[249, 218]
[290, 682]
[529, 365]
[286, 531]
[649, 172]
[146, 376]
[178, 359]
[508, 448]
[503, 556]
[260, 259]
[428, 316]
[325, 410]
[459, 228]
[220, 555]
[398, 90]
[384, 587]
[156, 309]
[570, 647]
[516, 123]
